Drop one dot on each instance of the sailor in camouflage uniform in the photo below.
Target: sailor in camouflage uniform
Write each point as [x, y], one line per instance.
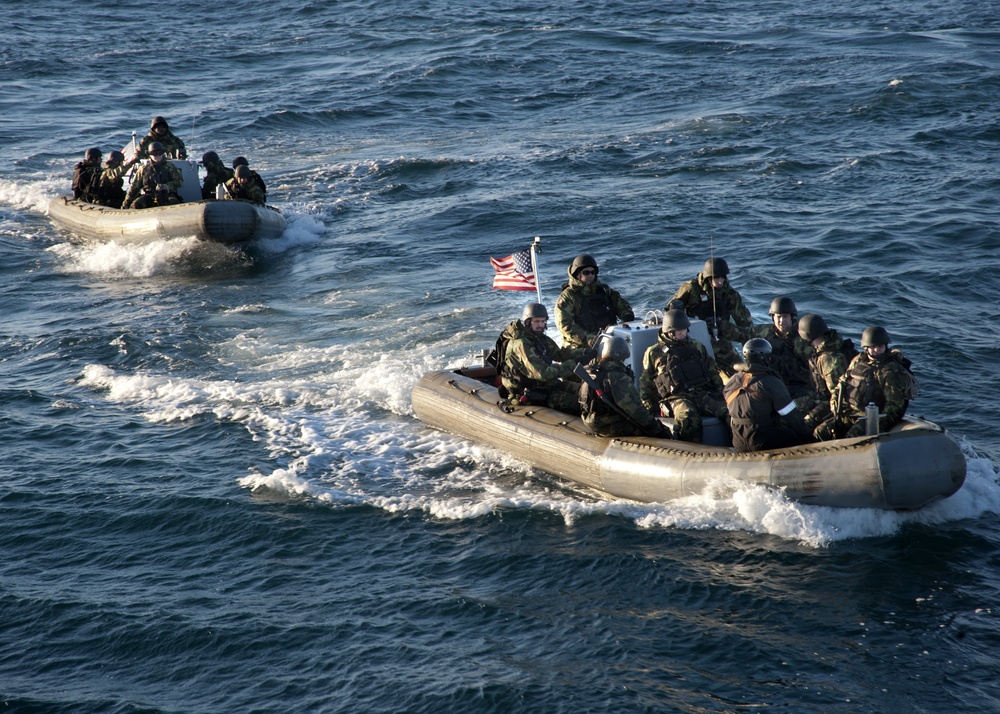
[159, 131]
[535, 369]
[628, 416]
[827, 365]
[111, 184]
[711, 298]
[216, 174]
[586, 305]
[157, 182]
[679, 379]
[242, 187]
[789, 352]
[878, 375]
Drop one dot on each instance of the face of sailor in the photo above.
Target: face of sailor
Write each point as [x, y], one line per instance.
[587, 275]
[875, 351]
[718, 282]
[676, 334]
[782, 322]
[537, 324]
[157, 156]
[160, 129]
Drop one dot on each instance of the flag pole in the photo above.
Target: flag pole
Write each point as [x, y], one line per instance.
[536, 247]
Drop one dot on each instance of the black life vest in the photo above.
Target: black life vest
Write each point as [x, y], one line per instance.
[749, 405]
[86, 176]
[686, 370]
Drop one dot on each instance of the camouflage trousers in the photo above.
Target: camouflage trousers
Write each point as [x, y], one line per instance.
[687, 412]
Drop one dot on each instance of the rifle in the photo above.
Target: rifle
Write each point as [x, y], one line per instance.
[589, 381]
[711, 281]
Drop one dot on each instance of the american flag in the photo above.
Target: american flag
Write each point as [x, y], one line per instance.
[514, 272]
[129, 151]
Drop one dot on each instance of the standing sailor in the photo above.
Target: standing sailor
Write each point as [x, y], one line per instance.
[711, 298]
[159, 131]
[586, 305]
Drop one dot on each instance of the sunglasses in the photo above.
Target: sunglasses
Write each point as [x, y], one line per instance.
[588, 272]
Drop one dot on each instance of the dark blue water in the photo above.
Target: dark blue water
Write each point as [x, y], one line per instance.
[214, 494]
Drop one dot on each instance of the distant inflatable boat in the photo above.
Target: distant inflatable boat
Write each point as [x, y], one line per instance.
[228, 222]
[231, 222]
[912, 465]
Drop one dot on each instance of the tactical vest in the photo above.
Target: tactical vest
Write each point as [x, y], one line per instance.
[590, 403]
[111, 192]
[861, 385]
[596, 311]
[719, 309]
[85, 180]
[152, 178]
[788, 365]
[684, 371]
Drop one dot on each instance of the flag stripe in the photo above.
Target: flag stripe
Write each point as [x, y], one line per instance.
[514, 272]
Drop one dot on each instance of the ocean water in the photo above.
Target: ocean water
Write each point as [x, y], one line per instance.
[215, 496]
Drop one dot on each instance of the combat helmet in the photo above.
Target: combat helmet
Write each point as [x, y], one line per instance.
[675, 320]
[613, 348]
[156, 148]
[757, 350]
[157, 121]
[715, 268]
[240, 161]
[210, 158]
[583, 261]
[783, 305]
[812, 326]
[115, 157]
[243, 172]
[93, 154]
[875, 335]
[534, 310]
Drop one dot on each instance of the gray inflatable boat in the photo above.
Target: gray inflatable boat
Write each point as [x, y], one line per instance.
[915, 463]
[231, 222]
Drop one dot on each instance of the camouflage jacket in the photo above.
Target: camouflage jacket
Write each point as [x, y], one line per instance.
[111, 185]
[215, 176]
[534, 361]
[235, 191]
[827, 365]
[617, 384]
[583, 310]
[789, 357]
[150, 176]
[727, 310]
[677, 368]
[884, 381]
[171, 144]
